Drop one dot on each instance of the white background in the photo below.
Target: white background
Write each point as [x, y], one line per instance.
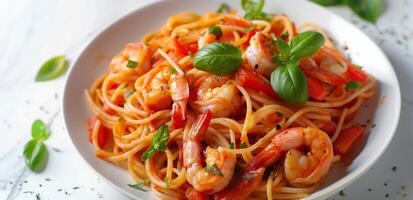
[33, 31]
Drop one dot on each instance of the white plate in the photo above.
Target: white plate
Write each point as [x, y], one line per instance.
[88, 67]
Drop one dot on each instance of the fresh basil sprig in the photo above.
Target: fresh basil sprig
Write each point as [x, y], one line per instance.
[52, 69]
[218, 58]
[35, 152]
[369, 10]
[158, 142]
[290, 83]
[253, 10]
[288, 80]
[223, 8]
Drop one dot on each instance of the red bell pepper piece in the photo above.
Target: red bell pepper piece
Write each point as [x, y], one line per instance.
[250, 79]
[316, 90]
[347, 138]
[236, 22]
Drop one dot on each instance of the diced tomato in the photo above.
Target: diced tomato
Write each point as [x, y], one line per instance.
[353, 73]
[119, 101]
[250, 79]
[103, 134]
[113, 86]
[193, 47]
[181, 49]
[328, 126]
[316, 89]
[192, 194]
[347, 138]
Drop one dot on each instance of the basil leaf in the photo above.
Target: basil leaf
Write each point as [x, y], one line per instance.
[352, 85]
[40, 131]
[35, 155]
[223, 8]
[139, 186]
[327, 2]
[215, 30]
[283, 50]
[369, 10]
[131, 64]
[277, 59]
[253, 10]
[52, 69]
[148, 153]
[305, 44]
[218, 58]
[213, 169]
[290, 83]
[160, 138]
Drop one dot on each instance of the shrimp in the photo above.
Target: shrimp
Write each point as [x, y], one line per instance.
[180, 94]
[157, 94]
[300, 167]
[165, 88]
[259, 53]
[220, 164]
[216, 94]
[136, 52]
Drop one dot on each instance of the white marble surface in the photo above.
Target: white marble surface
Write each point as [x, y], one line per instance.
[33, 31]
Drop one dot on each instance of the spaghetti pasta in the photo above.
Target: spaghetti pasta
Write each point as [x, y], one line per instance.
[154, 83]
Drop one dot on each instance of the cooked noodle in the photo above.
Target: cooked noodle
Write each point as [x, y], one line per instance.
[119, 100]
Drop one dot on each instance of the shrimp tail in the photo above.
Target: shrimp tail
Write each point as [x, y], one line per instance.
[200, 125]
[265, 158]
[179, 114]
[242, 188]
[180, 95]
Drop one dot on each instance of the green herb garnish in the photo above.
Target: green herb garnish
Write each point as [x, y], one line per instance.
[131, 64]
[140, 185]
[352, 85]
[215, 30]
[243, 145]
[128, 93]
[158, 142]
[253, 10]
[218, 58]
[35, 152]
[223, 8]
[288, 80]
[213, 169]
[52, 69]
